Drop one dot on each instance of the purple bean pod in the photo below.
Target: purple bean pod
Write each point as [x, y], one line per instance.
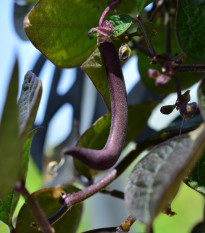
[108, 156]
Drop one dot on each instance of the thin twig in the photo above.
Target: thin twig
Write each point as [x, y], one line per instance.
[156, 9]
[177, 85]
[113, 193]
[147, 39]
[167, 28]
[142, 48]
[34, 207]
[190, 68]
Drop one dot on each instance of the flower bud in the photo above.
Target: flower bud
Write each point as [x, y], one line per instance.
[152, 73]
[92, 33]
[124, 52]
[162, 80]
[188, 110]
[167, 109]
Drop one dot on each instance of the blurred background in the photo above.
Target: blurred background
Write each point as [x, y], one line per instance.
[68, 97]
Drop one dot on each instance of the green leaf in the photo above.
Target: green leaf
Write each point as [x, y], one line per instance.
[190, 27]
[121, 23]
[186, 79]
[48, 200]
[67, 23]
[155, 180]
[7, 207]
[94, 67]
[9, 138]
[29, 101]
[201, 97]
[196, 179]
[141, 4]
[25, 153]
[96, 136]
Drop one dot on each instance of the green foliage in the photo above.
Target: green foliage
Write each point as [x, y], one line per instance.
[59, 29]
[121, 23]
[155, 180]
[17, 155]
[196, 179]
[64, 21]
[94, 67]
[49, 201]
[9, 139]
[191, 29]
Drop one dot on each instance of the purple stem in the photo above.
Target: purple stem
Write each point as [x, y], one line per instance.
[106, 11]
[34, 208]
[146, 37]
[108, 156]
[190, 68]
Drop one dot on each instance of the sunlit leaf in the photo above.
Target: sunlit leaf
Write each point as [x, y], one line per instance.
[190, 27]
[67, 23]
[96, 136]
[29, 101]
[48, 200]
[9, 138]
[121, 23]
[156, 178]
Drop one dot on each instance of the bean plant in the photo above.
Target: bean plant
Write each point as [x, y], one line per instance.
[100, 36]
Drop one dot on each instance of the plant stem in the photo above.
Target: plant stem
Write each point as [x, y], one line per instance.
[167, 32]
[190, 68]
[147, 39]
[113, 193]
[76, 198]
[158, 6]
[143, 49]
[34, 208]
[177, 85]
[108, 156]
[106, 11]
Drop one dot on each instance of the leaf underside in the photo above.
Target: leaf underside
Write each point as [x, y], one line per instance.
[155, 179]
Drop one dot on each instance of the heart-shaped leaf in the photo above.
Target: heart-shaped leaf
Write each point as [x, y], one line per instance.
[48, 200]
[156, 178]
[67, 23]
[96, 136]
[190, 28]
